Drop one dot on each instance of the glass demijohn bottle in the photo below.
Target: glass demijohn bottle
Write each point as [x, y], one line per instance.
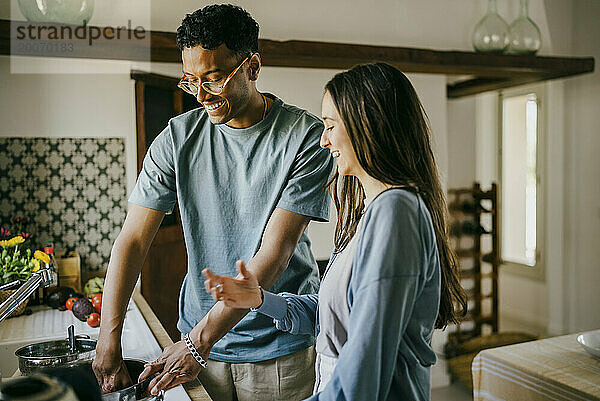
[524, 34]
[491, 33]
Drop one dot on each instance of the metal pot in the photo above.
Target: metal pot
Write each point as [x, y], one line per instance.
[53, 354]
[138, 391]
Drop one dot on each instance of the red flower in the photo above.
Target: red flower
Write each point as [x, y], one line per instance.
[25, 235]
[4, 232]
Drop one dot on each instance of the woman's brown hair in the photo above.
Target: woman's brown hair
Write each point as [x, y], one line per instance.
[390, 134]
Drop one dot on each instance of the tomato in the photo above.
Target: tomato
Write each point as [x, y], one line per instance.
[93, 320]
[97, 301]
[70, 302]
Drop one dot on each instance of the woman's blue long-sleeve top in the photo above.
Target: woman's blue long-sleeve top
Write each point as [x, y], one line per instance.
[393, 296]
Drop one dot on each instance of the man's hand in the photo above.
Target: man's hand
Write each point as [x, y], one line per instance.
[176, 365]
[110, 371]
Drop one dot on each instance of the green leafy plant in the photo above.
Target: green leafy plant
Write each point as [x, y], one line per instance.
[15, 265]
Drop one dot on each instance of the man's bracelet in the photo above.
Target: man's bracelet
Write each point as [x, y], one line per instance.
[194, 351]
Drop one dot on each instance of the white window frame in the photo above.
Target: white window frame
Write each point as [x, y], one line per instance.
[538, 271]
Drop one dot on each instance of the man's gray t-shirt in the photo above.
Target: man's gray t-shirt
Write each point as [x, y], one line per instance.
[227, 183]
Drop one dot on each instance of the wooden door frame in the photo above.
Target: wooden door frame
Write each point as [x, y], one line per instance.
[142, 79]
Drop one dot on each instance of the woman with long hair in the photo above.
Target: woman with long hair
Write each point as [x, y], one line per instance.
[392, 277]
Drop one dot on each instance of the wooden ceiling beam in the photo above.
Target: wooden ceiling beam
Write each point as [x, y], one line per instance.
[489, 71]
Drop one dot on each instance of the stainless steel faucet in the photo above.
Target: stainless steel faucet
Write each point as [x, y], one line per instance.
[42, 277]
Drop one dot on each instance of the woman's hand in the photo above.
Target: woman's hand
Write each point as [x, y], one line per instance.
[241, 292]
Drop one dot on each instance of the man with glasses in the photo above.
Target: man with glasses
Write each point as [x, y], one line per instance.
[248, 175]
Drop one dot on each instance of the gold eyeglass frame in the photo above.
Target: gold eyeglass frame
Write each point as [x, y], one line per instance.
[185, 84]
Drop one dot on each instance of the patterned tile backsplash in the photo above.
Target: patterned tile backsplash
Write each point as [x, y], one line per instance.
[73, 190]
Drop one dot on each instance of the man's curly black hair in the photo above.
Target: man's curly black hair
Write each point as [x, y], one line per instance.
[216, 24]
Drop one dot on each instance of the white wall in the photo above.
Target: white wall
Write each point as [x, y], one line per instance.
[565, 299]
[461, 142]
[582, 175]
[70, 105]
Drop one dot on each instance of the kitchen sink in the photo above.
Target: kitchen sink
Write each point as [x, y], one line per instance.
[46, 324]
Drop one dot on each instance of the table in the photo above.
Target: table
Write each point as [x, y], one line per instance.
[555, 368]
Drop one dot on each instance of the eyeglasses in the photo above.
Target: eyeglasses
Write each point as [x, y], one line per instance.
[213, 87]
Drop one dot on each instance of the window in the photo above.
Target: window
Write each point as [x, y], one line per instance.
[521, 168]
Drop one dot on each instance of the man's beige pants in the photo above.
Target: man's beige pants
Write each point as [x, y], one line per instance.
[289, 378]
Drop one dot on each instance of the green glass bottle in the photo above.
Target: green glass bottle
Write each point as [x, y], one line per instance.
[491, 32]
[524, 34]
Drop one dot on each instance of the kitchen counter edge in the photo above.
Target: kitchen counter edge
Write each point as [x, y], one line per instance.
[194, 389]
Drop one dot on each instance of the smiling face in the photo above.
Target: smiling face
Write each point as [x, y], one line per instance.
[215, 65]
[336, 139]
